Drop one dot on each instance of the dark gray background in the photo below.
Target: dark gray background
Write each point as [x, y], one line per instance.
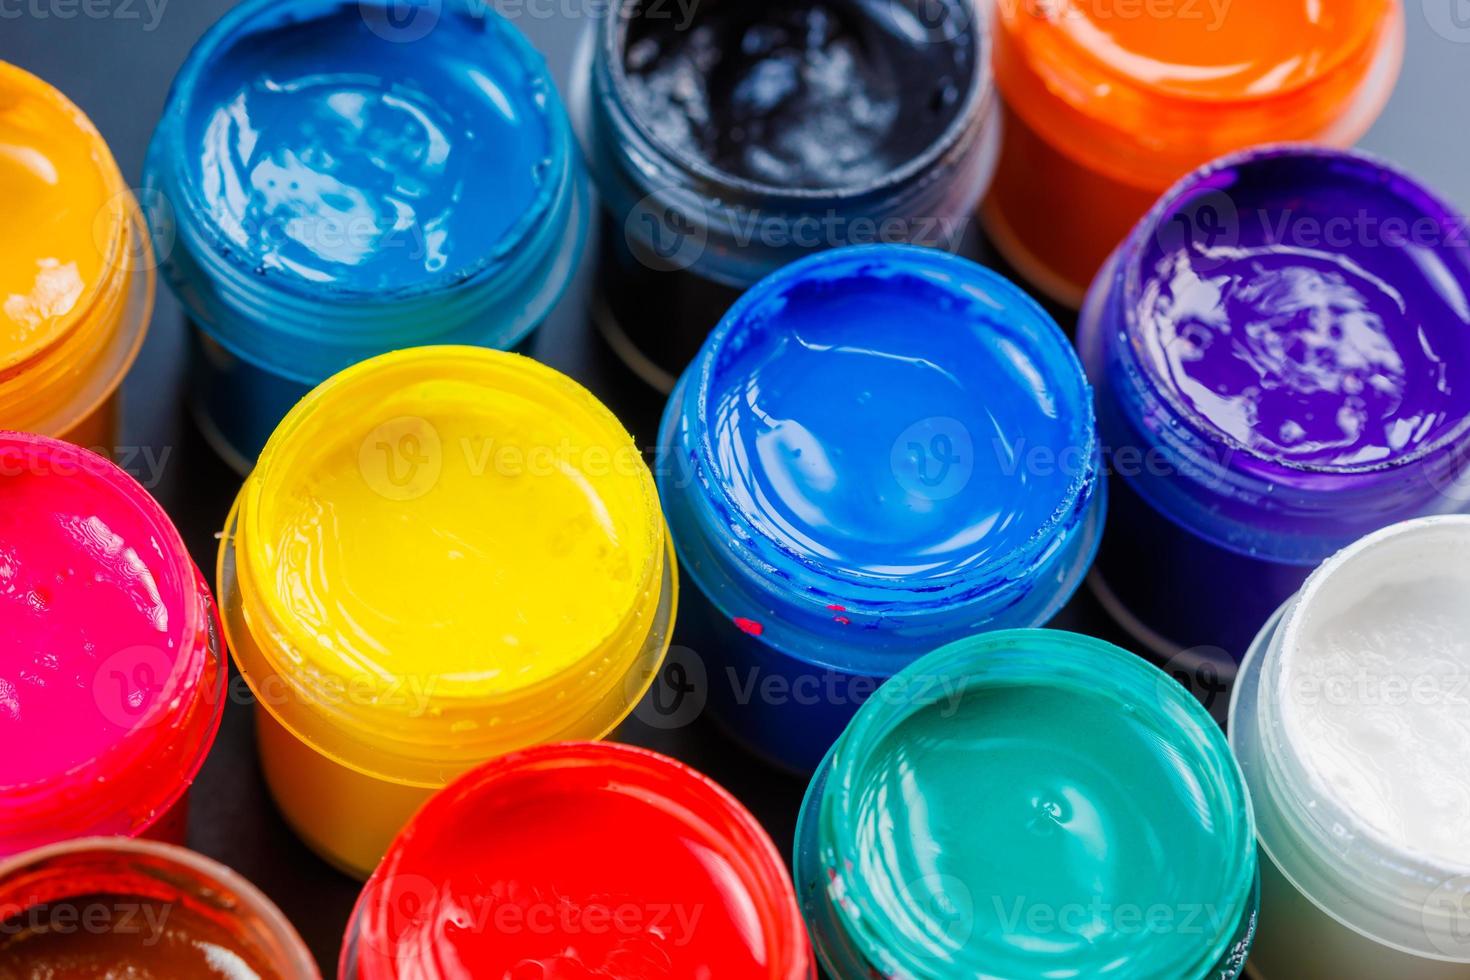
[115, 58]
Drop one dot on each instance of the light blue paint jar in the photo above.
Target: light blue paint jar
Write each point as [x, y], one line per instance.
[879, 450]
[334, 179]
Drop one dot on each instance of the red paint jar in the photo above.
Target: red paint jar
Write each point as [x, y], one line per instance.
[580, 860]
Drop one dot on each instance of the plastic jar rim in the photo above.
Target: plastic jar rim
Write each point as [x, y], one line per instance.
[1047, 341]
[250, 16]
[179, 870]
[1130, 275]
[637, 770]
[1041, 657]
[183, 689]
[266, 618]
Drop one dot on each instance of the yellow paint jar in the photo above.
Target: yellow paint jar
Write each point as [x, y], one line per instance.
[76, 268]
[444, 554]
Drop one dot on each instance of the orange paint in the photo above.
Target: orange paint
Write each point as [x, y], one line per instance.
[76, 270]
[1110, 101]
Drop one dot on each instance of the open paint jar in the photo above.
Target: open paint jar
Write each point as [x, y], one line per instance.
[595, 860]
[879, 450]
[731, 137]
[335, 179]
[1029, 804]
[1349, 719]
[1281, 352]
[445, 554]
[112, 671]
[1107, 104]
[107, 907]
[76, 270]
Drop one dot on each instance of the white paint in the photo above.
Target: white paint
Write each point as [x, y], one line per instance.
[1375, 686]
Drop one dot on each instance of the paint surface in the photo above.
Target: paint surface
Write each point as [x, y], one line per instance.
[331, 152]
[467, 520]
[1317, 312]
[160, 941]
[881, 415]
[806, 94]
[583, 861]
[1029, 832]
[54, 182]
[1219, 49]
[1373, 689]
[92, 615]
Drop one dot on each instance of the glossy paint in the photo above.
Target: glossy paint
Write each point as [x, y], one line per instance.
[523, 858]
[878, 451]
[109, 681]
[1016, 805]
[445, 553]
[331, 197]
[76, 280]
[1106, 110]
[1287, 337]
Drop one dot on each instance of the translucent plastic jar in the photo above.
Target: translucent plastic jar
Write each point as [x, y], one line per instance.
[1108, 103]
[445, 554]
[332, 181]
[878, 451]
[580, 859]
[1029, 804]
[730, 138]
[1281, 352]
[112, 666]
[76, 270]
[107, 907]
[1349, 722]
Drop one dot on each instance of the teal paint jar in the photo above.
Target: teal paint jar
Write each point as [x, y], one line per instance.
[1029, 804]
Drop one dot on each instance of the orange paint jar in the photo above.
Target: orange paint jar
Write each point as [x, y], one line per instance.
[1108, 102]
[76, 268]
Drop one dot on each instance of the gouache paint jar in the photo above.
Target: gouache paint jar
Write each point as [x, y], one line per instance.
[335, 179]
[445, 554]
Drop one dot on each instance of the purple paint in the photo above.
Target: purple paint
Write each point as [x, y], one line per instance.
[1282, 356]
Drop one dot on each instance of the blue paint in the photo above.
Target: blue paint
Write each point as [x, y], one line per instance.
[879, 450]
[341, 179]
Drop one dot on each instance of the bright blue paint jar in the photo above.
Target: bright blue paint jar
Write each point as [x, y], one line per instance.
[334, 179]
[879, 450]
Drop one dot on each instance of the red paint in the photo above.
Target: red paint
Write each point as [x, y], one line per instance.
[836, 608]
[580, 861]
[749, 626]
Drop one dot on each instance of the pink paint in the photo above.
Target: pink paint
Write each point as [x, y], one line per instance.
[109, 682]
[749, 626]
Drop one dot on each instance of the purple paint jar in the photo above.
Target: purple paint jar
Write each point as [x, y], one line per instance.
[1281, 352]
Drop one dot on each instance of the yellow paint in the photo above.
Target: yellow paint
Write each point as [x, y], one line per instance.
[443, 554]
[74, 299]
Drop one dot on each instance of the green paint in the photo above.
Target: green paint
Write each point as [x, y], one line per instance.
[1044, 805]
